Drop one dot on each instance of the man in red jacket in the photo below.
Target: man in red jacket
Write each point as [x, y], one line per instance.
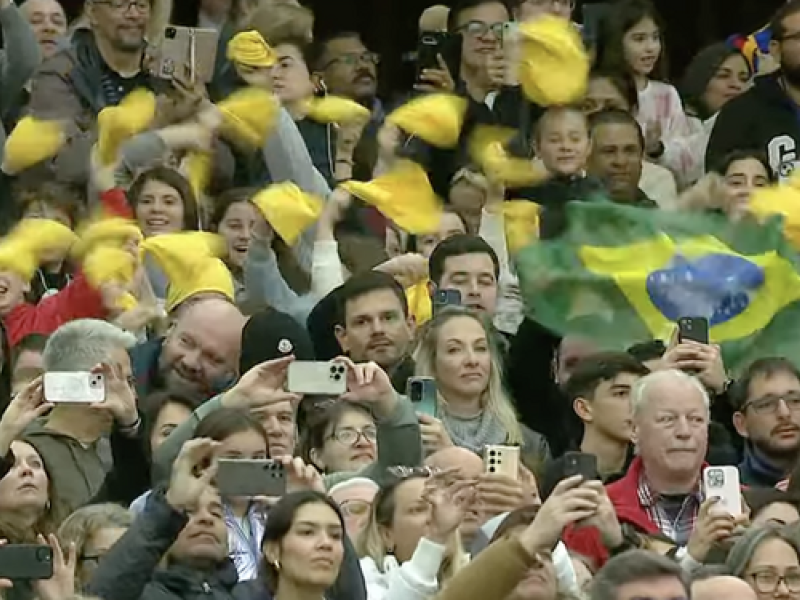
[660, 494]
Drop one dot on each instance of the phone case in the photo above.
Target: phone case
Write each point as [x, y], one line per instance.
[187, 46]
[723, 483]
[26, 562]
[421, 391]
[694, 329]
[317, 378]
[579, 463]
[511, 52]
[74, 388]
[248, 478]
[502, 459]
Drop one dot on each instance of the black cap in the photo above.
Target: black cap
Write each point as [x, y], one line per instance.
[271, 334]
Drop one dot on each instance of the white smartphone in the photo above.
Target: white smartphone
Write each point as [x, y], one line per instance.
[723, 483]
[317, 378]
[79, 387]
[502, 459]
[510, 43]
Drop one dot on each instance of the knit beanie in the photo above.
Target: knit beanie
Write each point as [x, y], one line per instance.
[700, 72]
[271, 334]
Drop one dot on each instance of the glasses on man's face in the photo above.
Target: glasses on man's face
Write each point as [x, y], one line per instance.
[355, 508]
[353, 59]
[767, 582]
[125, 5]
[480, 29]
[350, 437]
[768, 405]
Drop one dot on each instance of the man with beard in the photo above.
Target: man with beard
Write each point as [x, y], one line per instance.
[767, 402]
[103, 64]
[765, 117]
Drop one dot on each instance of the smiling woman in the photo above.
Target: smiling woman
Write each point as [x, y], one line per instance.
[163, 202]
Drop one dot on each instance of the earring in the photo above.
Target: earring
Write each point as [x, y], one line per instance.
[277, 565]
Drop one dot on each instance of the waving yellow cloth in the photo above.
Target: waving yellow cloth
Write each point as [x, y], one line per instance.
[434, 118]
[21, 250]
[521, 220]
[419, 301]
[116, 124]
[250, 49]
[191, 262]
[404, 195]
[334, 109]
[554, 66]
[108, 264]
[197, 166]
[249, 115]
[116, 232]
[779, 200]
[487, 148]
[32, 141]
[288, 209]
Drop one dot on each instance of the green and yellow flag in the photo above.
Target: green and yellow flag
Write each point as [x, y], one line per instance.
[622, 275]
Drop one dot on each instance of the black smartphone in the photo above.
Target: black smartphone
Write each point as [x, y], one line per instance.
[579, 463]
[433, 44]
[694, 329]
[26, 561]
[592, 17]
[251, 477]
[445, 297]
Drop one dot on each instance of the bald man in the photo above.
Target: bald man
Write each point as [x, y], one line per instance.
[722, 586]
[49, 24]
[199, 356]
[470, 466]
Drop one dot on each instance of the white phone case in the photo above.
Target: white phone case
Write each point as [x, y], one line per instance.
[723, 483]
[74, 388]
[317, 378]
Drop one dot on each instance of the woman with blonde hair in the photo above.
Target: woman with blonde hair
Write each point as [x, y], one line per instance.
[459, 350]
[410, 546]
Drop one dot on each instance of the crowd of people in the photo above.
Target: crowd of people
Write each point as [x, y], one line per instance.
[192, 229]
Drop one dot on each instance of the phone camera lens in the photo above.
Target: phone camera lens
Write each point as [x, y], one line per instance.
[43, 555]
[170, 33]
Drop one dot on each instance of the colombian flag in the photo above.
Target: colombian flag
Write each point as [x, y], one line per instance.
[623, 275]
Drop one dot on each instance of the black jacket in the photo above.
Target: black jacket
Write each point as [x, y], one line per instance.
[765, 119]
[130, 570]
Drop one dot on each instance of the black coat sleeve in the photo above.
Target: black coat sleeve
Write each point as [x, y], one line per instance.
[128, 567]
[130, 476]
[350, 583]
[730, 132]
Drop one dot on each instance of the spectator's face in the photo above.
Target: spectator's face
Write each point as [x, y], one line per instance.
[411, 518]
[237, 228]
[743, 177]
[481, 27]
[671, 429]
[731, 80]
[616, 159]
[350, 445]
[473, 275]
[395, 242]
[49, 23]
[159, 209]
[376, 329]
[450, 225]
[642, 46]
[171, 416]
[291, 79]
[350, 70]
[24, 490]
[608, 411]
[205, 536]
[311, 552]
[787, 49]
[279, 422]
[571, 351]
[463, 359]
[243, 445]
[199, 351]
[27, 366]
[355, 502]
[777, 513]
[654, 588]
[533, 9]
[773, 559]
[601, 94]
[12, 291]
[122, 23]
[95, 548]
[768, 419]
[468, 200]
[539, 582]
[563, 142]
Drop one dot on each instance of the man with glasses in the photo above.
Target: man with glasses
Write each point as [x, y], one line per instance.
[349, 69]
[767, 402]
[101, 66]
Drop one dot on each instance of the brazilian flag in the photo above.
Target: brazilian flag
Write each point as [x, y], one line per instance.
[620, 275]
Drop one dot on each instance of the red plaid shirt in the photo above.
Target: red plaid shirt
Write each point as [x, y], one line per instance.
[677, 528]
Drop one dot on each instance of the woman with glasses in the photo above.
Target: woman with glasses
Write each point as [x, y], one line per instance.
[354, 498]
[339, 438]
[768, 559]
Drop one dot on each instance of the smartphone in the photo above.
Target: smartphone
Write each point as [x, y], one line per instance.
[694, 329]
[186, 46]
[250, 477]
[592, 17]
[723, 483]
[422, 393]
[433, 44]
[317, 378]
[510, 43]
[502, 459]
[444, 297]
[26, 561]
[80, 387]
[579, 463]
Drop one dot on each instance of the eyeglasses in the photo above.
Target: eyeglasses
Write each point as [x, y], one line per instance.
[355, 508]
[769, 404]
[768, 581]
[353, 59]
[125, 5]
[481, 29]
[350, 437]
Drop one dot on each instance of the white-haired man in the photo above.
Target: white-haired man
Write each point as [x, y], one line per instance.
[660, 493]
[68, 438]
